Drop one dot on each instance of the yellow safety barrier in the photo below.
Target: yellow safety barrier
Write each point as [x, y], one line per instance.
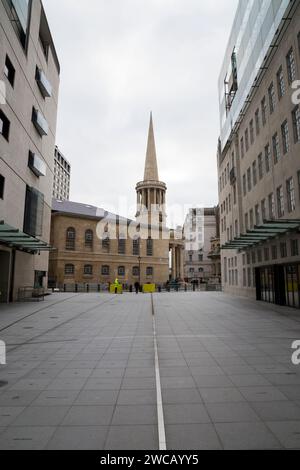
[149, 288]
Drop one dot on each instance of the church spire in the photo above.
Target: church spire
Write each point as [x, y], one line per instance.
[151, 170]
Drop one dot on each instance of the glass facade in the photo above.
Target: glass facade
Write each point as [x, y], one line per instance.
[18, 11]
[253, 31]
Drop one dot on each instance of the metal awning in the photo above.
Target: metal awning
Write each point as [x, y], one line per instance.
[262, 234]
[18, 240]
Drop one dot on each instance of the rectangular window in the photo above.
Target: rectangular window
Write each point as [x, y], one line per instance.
[245, 185]
[280, 83]
[149, 247]
[283, 250]
[271, 206]
[280, 202]
[291, 66]
[257, 122]
[259, 256]
[285, 137]
[4, 126]
[274, 253]
[9, 71]
[257, 215]
[264, 111]
[268, 158]
[136, 247]
[267, 254]
[263, 210]
[122, 246]
[260, 167]
[34, 211]
[251, 219]
[254, 173]
[276, 148]
[295, 247]
[247, 139]
[296, 123]
[251, 131]
[242, 147]
[2, 185]
[249, 179]
[271, 93]
[290, 188]
[149, 272]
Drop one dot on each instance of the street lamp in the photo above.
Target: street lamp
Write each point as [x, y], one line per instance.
[140, 259]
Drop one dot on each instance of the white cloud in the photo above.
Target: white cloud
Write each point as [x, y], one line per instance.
[119, 60]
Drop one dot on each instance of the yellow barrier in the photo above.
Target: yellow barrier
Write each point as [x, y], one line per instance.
[149, 288]
[113, 288]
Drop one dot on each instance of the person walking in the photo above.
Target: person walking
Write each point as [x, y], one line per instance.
[137, 287]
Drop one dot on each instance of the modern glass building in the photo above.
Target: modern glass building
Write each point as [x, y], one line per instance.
[258, 153]
[255, 30]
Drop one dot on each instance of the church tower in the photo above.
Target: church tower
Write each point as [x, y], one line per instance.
[151, 193]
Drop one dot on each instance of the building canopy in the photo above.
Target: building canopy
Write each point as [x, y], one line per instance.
[262, 234]
[21, 241]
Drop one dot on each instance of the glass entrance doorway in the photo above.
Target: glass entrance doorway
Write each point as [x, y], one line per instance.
[279, 284]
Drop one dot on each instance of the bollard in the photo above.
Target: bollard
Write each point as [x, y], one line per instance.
[194, 287]
[65, 288]
[99, 288]
[76, 288]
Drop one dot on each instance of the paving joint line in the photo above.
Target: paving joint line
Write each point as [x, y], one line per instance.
[160, 411]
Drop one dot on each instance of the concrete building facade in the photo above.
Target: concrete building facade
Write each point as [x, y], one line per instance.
[96, 247]
[62, 176]
[199, 265]
[258, 154]
[29, 74]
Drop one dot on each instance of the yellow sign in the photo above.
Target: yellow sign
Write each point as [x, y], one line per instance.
[149, 288]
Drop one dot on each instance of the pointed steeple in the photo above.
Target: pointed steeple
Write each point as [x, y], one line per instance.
[151, 170]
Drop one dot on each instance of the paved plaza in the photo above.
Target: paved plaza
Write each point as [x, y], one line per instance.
[83, 372]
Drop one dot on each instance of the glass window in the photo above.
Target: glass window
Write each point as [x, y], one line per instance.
[264, 111]
[296, 124]
[69, 269]
[9, 71]
[283, 250]
[280, 201]
[260, 167]
[285, 137]
[268, 158]
[271, 206]
[136, 247]
[280, 83]
[276, 148]
[89, 238]
[88, 270]
[291, 195]
[257, 122]
[70, 239]
[4, 126]
[249, 179]
[149, 247]
[254, 173]
[295, 247]
[105, 270]
[149, 271]
[135, 271]
[121, 246]
[2, 185]
[271, 93]
[274, 252]
[121, 271]
[263, 210]
[291, 66]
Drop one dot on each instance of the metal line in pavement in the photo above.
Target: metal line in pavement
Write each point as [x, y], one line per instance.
[160, 412]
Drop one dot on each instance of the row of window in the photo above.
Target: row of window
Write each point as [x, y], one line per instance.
[261, 114]
[89, 243]
[88, 270]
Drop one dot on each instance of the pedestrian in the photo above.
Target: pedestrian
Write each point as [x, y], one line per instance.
[137, 287]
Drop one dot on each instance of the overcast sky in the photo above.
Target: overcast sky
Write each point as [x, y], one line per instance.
[120, 59]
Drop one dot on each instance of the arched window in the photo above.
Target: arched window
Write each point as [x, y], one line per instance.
[105, 270]
[149, 271]
[88, 270]
[69, 269]
[136, 271]
[89, 238]
[121, 271]
[70, 239]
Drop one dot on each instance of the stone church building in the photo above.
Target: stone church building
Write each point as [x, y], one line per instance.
[92, 246]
